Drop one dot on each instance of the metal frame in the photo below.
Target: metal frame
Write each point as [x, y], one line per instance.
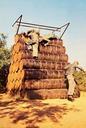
[44, 27]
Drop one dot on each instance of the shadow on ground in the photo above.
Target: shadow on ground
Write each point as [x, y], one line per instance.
[31, 112]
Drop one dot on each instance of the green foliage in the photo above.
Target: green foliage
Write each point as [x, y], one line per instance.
[4, 60]
[3, 76]
[2, 40]
[4, 51]
[80, 78]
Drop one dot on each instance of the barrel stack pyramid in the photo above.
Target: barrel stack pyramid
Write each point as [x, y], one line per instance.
[43, 77]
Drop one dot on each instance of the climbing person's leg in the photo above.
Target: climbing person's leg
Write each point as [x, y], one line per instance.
[35, 50]
[71, 88]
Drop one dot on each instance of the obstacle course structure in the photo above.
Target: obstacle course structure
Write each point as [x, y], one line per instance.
[38, 78]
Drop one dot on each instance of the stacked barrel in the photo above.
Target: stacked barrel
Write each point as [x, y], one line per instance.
[42, 77]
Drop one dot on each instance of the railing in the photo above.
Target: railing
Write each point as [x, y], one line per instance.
[44, 27]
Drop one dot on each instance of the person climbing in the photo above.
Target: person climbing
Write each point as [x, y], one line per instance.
[69, 71]
[33, 39]
[34, 35]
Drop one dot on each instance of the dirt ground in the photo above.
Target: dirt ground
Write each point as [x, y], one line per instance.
[50, 113]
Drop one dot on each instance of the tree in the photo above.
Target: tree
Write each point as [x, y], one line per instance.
[4, 61]
[80, 78]
[4, 51]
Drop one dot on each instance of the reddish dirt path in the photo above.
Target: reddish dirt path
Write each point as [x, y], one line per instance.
[51, 113]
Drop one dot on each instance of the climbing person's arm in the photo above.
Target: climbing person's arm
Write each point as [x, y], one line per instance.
[80, 68]
[67, 66]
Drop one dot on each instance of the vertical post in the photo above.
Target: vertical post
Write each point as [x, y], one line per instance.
[19, 19]
[19, 24]
[64, 30]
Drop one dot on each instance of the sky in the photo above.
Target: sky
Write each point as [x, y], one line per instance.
[49, 12]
